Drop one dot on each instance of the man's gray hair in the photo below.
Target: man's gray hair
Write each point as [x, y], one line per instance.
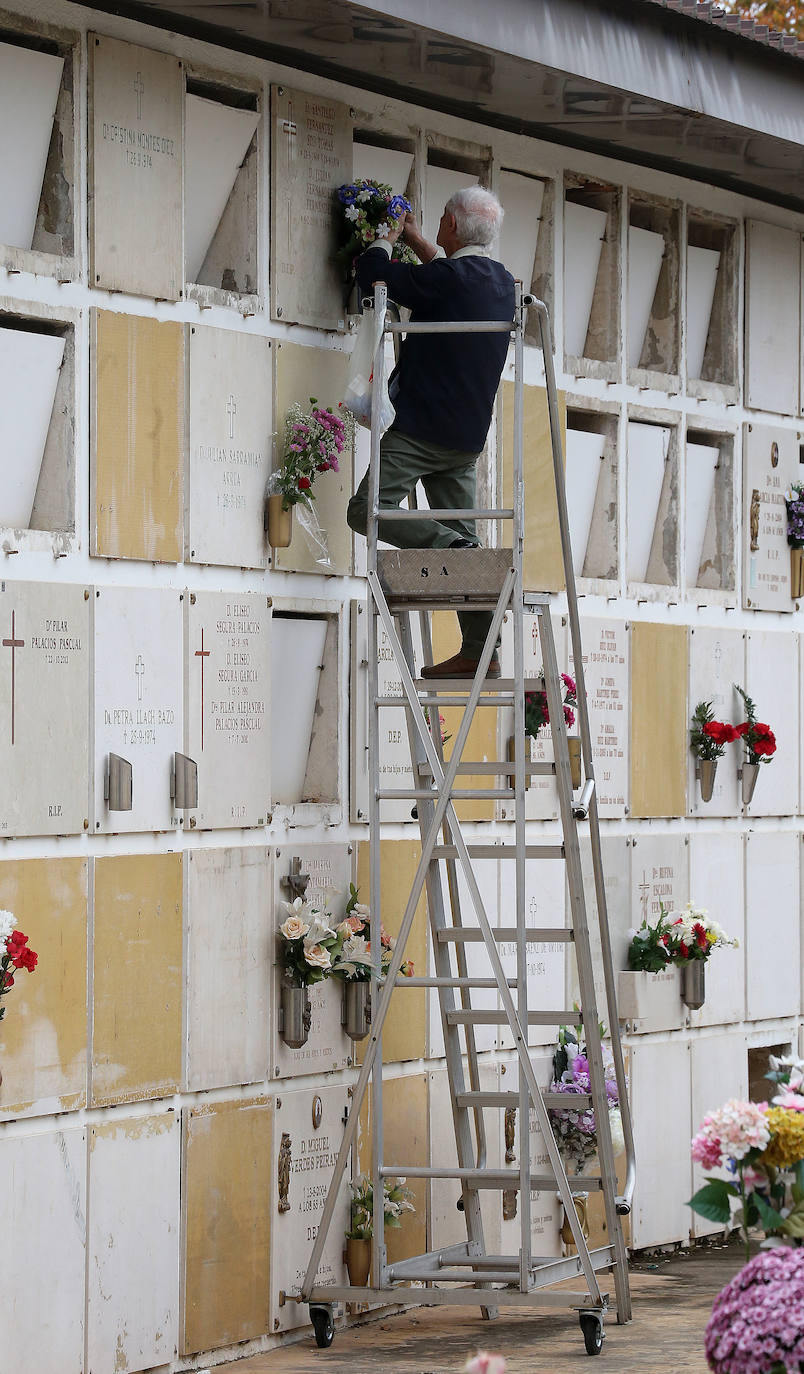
[478, 215]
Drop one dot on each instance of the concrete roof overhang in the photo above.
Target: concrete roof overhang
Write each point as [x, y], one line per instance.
[630, 79]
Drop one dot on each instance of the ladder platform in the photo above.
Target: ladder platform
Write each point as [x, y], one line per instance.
[495, 769]
[483, 1017]
[507, 935]
[557, 1101]
[444, 575]
[499, 851]
[457, 794]
[463, 685]
[492, 1179]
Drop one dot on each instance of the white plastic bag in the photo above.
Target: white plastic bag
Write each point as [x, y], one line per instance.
[360, 390]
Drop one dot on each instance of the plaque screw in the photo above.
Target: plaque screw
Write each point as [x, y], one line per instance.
[86, 594]
[192, 598]
[279, 312]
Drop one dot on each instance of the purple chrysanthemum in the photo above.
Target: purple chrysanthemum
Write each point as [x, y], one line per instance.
[757, 1321]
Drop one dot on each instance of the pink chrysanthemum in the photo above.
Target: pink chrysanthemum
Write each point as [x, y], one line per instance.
[757, 1321]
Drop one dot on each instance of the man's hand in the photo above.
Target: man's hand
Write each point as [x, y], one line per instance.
[396, 228]
[413, 237]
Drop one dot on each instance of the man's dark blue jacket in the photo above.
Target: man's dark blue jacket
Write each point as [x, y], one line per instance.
[446, 383]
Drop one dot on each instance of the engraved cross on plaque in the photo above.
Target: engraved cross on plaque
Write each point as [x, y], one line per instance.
[202, 653]
[644, 891]
[139, 87]
[13, 644]
[139, 669]
[290, 130]
[231, 411]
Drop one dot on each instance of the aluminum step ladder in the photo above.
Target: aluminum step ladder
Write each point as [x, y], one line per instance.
[401, 582]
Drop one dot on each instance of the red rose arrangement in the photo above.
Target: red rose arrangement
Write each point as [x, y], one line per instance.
[536, 710]
[15, 954]
[758, 738]
[709, 737]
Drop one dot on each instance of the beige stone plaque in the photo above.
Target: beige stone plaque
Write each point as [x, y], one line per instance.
[135, 169]
[230, 446]
[659, 724]
[403, 1035]
[44, 722]
[406, 1135]
[770, 464]
[542, 567]
[311, 156]
[227, 724]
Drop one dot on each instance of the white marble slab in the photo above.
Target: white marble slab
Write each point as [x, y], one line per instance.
[44, 722]
[659, 876]
[645, 252]
[230, 446]
[135, 169]
[648, 449]
[702, 270]
[297, 659]
[584, 231]
[771, 679]
[606, 656]
[228, 706]
[616, 864]
[773, 316]
[29, 374]
[311, 156]
[388, 165]
[448, 1225]
[770, 464]
[229, 935]
[702, 461]
[521, 198]
[327, 1048]
[29, 89]
[133, 1239]
[660, 1102]
[395, 767]
[216, 140]
[138, 700]
[541, 798]
[43, 1206]
[717, 661]
[440, 183]
[545, 899]
[717, 883]
[772, 924]
[719, 1072]
[313, 1151]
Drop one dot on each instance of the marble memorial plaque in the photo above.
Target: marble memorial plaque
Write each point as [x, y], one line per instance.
[719, 1071]
[660, 1105]
[615, 851]
[717, 661]
[772, 923]
[541, 797]
[544, 906]
[135, 169]
[486, 872]
[659, 877]
[308, 1129]
[770, 464]
[605, 664]
[717, 883]
[44, 722]
[311, 156]
[327, 1048]
[448, 1225]
[394, 767]
[230, 446]
[546, 1214]
[138, 701]
[771, 679]
[227, 726]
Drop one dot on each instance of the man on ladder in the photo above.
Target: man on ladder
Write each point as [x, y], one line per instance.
[443, 387]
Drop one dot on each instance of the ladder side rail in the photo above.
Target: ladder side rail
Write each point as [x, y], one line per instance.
[378, 1250]
[586, 980]
[586, 748]
[517, 544]
[443, 805]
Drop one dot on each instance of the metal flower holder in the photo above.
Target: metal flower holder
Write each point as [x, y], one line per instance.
[356, 1014]
[295, 1016]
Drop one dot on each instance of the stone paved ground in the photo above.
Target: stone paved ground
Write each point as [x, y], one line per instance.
[672, 1297]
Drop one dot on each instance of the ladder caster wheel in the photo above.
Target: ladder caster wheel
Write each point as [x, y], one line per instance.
[323, 1326]
[592, 1328]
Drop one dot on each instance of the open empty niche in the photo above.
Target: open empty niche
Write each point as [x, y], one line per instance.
[448, 172]
[711, 301]
[709, 510]
[304, 726]
[37, 424]
[591, 486]
[36, 144]
[378, 157]
[220, 187]
[652, 329]
[591, 270]
[652, 503]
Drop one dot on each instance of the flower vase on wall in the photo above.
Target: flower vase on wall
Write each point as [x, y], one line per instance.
[797, 573]
[705, 771]
[356, 1009]
[750, 773]
[296, 1016]
[580, 1200]
[358, 1259]
[693, 984]
[280, 522]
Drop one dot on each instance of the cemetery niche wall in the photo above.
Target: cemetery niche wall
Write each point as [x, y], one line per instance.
[168, 292]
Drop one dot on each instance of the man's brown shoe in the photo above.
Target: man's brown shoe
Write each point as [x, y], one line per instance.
[460, 666]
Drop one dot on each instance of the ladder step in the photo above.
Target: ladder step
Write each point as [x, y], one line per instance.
[506, 934]
[432, 698]
[500, 851]
[470, 1017]
[457, 793]
[511, 1099]
[457, 1276]
[492, 1179]
[479, 983]
[533, 770]
[463, 685]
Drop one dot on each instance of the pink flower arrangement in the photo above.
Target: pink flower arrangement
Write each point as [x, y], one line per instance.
[537, 713]
[730, 1132]
[484, 1363]
[314, 442]
[757, 1321]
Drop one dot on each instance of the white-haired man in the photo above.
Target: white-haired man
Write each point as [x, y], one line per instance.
[443, 387]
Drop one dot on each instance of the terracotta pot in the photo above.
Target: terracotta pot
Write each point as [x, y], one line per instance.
[705, 771]
[357, 1009]
[280, 523]
[750, 775]
[358, 1261]
[296, 1016]
[580, 1200]
[796, 573]
[574, 746]
[693, 984]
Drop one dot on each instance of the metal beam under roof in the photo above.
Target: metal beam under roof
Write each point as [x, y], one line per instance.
[638, 80]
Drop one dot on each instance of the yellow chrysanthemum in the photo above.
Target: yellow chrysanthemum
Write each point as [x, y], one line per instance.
[786, 1146]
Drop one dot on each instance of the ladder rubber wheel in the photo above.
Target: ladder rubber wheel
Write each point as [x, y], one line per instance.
[323, 1326]
[592, 1328]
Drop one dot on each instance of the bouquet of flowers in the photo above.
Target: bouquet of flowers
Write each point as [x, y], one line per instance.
[575, 1128]
[353, 964]
[314, 440]
[709, 737]
[442, 725]
[676, 938]
[757, 1321]
[794, 500]
[537, 714]
[15, 954]
[758, 738]
[396, 1199]
[309, 945]
[369, 210]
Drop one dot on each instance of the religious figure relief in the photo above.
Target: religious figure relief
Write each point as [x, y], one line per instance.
[755, 520]
[510, 1135]
[283, 1172]
[509, 1204]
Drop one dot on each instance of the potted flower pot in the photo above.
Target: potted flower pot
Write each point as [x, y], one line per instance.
[796, 573]
[705, 771]
[574, 746]
[296, 1015]
[280, 522]
[693, 984]
[356, 1015]
[358, 1260]
[749, 781]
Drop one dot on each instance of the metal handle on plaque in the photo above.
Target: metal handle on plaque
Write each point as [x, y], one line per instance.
[117, 784]
[184, 782]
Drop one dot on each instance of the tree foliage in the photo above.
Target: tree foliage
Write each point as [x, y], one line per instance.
[787, 16]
